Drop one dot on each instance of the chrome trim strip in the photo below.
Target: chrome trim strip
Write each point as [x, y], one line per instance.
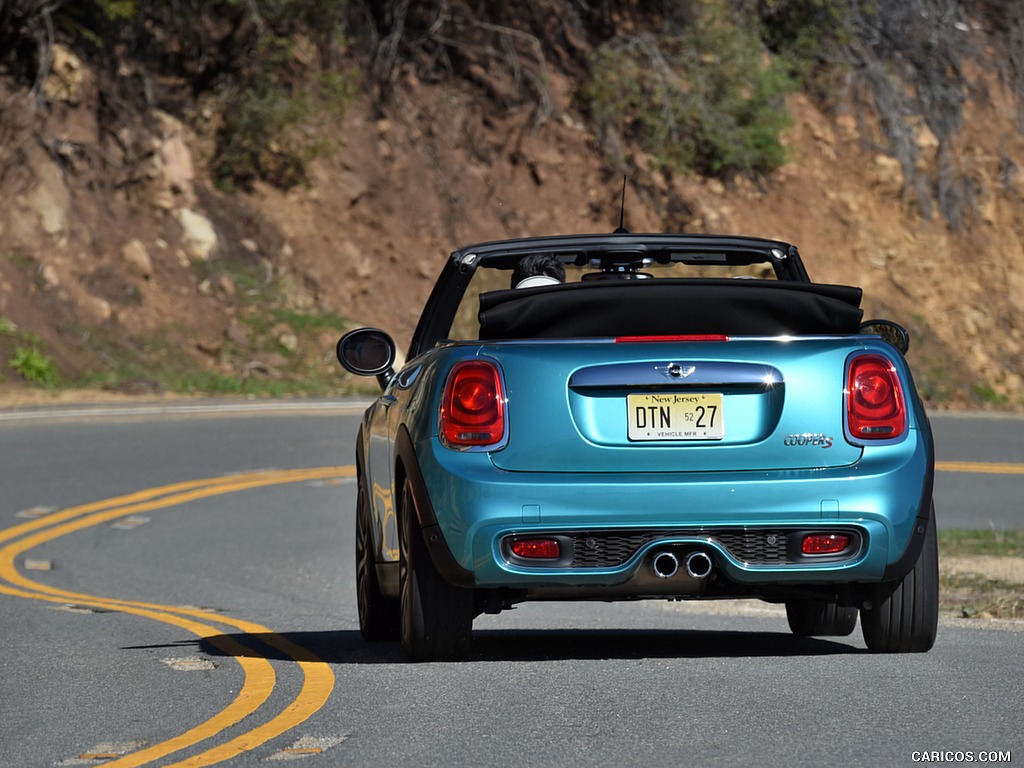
[661, 374]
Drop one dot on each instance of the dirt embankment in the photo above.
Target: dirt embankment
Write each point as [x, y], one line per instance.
[116, 246]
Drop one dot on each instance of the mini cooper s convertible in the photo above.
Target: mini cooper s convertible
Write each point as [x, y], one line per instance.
[647, 416]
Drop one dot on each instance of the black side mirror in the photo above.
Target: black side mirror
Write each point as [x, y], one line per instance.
[368, 352]
[894, 333]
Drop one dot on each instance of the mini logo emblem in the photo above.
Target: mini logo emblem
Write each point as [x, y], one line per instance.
[809, 438]
[675, 370]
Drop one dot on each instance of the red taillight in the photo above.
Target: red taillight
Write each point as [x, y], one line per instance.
[824, 543]
[874, 399]
[473, 406]
[544, 549]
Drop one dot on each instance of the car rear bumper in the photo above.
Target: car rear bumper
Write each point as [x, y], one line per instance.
[748, 523]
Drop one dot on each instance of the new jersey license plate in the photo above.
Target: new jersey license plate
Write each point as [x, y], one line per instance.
[675, 416]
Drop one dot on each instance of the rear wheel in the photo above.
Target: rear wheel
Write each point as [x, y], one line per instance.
[436, 618]
[811, 618]
[902, 616]
[378, 615]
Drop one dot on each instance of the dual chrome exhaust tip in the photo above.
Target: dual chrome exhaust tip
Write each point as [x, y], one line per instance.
[698, 564]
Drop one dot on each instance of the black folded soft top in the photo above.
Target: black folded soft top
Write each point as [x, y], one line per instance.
[671, 306]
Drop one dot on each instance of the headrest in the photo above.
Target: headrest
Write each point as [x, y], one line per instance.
[535, 281]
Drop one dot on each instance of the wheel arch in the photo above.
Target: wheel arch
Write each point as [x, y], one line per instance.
[407, 469]
[925, 519]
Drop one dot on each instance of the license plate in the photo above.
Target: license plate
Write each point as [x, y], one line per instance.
[675, 416]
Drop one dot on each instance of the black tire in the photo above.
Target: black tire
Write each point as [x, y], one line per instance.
[812, 618]
[902, 616]
[378, 614]
[436, 618]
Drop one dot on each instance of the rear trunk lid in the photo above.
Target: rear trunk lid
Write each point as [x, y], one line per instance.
[701, 406]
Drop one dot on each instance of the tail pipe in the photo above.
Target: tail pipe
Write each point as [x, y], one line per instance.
[665, 565]
[698, 565]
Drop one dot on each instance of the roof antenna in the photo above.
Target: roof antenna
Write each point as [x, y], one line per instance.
[622, 210]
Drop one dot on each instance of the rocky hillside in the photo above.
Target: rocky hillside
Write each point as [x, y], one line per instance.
[123, 265]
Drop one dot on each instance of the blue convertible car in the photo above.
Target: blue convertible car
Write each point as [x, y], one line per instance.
[643, 416]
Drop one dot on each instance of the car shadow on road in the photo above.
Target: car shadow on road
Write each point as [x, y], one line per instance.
[348, 647]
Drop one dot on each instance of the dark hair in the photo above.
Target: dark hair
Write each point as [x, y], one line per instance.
[538, 264]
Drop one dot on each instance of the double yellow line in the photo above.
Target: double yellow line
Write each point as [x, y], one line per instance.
[318, 679]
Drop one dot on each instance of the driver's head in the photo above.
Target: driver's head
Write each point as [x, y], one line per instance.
[537, 269]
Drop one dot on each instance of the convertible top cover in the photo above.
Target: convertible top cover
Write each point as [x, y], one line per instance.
[733, 307]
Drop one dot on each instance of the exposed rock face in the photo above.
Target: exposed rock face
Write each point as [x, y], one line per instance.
[198, 236]
[46, 205]
[136, 259]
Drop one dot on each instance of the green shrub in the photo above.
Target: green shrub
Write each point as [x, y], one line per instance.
[269, 122]
[34, 366]
[118, 10]
[28, 359]
[707, 99]
[811, 33]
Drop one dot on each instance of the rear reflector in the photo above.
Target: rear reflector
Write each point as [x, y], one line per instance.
[538, 549]
[824, 543]
[687, 337]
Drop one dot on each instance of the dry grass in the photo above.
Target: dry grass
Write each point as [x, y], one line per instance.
[981, 574]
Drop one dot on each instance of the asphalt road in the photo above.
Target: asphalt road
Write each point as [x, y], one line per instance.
[987, 454]
[176, 589]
